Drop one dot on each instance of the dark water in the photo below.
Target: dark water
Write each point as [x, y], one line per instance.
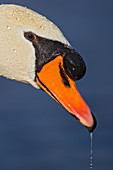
[37, 133]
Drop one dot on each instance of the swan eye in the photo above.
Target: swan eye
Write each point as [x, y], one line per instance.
[29, 36]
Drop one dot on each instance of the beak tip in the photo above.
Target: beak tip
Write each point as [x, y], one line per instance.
[91, 129]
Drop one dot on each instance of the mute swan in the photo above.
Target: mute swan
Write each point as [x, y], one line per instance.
[33, 50]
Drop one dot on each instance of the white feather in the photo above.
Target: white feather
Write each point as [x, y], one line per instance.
[17, 55]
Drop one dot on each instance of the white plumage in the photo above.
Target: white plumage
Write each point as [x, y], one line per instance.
[17, 55]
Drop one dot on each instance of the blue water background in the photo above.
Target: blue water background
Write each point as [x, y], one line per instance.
[38, 134]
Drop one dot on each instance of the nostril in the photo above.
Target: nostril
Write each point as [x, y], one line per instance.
[74, 65]
[64, 77]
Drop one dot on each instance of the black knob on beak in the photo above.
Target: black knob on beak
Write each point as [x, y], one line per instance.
[74, 65]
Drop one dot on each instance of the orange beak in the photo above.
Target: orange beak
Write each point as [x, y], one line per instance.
[53, 79]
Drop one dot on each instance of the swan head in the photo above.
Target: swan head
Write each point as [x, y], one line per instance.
[33, 50]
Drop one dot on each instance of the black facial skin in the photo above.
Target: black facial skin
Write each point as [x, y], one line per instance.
[46, 50]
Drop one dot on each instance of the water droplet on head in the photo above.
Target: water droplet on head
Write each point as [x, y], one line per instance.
[8, 27]
[14, 50]
[13, 13]
[41, 27]
[17, 18]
